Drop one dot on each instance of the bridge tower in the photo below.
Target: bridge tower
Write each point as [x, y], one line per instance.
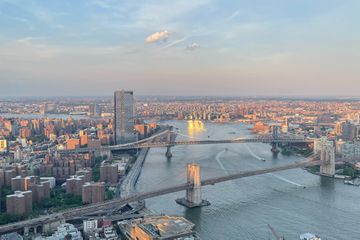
[193, 194]
[169, 139]
[106, 154]
[326, 150]
[275, 135]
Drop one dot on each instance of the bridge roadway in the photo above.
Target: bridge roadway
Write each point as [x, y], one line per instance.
[75, 212]
[195, 142]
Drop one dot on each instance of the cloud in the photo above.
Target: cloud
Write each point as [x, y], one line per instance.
[29, 39]
[157, 36]
[192, 47]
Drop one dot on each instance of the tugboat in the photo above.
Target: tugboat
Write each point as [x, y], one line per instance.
[309, 236]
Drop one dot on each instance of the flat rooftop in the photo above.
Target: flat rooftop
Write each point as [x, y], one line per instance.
[166, 226]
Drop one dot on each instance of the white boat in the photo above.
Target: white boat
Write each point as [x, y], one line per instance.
[309, 236]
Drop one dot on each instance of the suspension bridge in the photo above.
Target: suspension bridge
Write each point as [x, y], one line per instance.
[168, 140]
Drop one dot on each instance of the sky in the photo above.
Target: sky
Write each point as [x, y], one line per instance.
[180, 48]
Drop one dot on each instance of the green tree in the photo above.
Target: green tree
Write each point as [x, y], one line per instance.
[348, 171]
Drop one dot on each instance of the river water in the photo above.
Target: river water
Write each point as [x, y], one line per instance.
[241, 209]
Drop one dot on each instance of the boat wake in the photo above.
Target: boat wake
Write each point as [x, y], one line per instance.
[272, 174]
[286, 180]
[252, 153]
[219, 161]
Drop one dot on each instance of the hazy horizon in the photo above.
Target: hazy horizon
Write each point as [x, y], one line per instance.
[189, 97]
[180, 48]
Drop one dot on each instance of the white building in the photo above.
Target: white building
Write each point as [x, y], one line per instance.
[64, 230]
[90, 225]
[110, 233]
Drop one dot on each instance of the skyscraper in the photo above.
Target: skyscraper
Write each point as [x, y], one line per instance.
[124, 116]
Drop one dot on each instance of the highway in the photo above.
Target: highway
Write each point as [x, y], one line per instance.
[127, 186]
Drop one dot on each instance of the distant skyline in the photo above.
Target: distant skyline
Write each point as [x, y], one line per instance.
[180, 48]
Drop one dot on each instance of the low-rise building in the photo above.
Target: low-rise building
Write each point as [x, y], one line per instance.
[90, 225]
[99, 230]
[65, 231]
[158, 227]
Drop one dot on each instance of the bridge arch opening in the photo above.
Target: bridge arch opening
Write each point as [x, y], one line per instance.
[39, 229]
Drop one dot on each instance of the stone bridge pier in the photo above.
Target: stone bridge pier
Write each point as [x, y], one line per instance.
[275, 135]
[169, 139]
[326, 150]
[193, 194]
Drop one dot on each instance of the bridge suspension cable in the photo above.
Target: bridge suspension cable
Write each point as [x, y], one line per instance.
[142, 141]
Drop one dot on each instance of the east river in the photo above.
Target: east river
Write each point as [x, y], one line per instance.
[292, 201]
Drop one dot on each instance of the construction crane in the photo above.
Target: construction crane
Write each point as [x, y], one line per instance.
[274, 233]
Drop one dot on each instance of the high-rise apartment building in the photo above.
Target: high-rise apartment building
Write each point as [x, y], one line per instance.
[74, 185]
[19, 203]
[124, 116]
[109, 173]
[93, 192]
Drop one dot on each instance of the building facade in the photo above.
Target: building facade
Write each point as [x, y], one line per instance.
[19, 203]
[93, 192]
[124, 116]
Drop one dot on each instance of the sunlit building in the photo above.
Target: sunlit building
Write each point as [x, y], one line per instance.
[71, 144]
[158, 227]
[3, 145]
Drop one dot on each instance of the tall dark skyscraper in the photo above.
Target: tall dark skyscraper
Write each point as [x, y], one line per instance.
[124, 116]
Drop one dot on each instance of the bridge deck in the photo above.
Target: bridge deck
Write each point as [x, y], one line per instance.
[213, 181]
